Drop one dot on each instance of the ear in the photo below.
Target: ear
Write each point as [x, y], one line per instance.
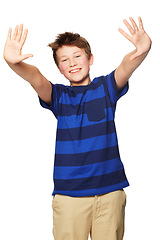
[91, 59]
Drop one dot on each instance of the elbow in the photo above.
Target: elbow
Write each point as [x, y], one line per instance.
[121, 77]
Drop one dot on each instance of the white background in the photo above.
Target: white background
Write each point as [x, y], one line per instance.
[27, 132]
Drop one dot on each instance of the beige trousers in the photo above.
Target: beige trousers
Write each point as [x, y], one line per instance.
[101, 216]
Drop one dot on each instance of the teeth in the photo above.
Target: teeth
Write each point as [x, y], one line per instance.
[73, 71]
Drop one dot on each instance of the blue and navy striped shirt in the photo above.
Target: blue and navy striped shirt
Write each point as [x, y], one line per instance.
[87, 159]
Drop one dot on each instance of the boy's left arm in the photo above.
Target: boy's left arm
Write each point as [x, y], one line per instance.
[131, 61]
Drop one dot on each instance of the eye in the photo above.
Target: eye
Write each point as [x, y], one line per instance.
[64, 60]
[78, 56]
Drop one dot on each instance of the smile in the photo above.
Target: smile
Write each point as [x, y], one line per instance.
[75, 70]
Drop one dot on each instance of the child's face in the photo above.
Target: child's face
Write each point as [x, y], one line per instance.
[74, 64]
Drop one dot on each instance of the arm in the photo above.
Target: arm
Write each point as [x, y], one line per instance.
[131, 61]
[14, 58]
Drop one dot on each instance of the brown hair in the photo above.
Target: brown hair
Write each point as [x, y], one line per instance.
[69, 39]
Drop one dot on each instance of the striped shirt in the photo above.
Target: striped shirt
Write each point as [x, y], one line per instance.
[87, 160]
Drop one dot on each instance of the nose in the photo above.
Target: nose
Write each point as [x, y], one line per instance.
[72, 62]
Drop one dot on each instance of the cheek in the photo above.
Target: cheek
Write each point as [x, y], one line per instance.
[63, 68]
[84, 62]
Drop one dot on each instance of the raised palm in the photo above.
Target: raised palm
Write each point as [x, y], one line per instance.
[139, 37]
[14, 44]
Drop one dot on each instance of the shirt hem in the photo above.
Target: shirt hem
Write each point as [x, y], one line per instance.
[92, 192]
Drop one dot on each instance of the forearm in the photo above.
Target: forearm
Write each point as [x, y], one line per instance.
[127, 67]
[28, 72]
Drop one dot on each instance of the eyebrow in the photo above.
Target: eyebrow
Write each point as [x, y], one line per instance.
[76, 52]
[73, 53]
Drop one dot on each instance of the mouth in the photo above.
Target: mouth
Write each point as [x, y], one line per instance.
[76, 70]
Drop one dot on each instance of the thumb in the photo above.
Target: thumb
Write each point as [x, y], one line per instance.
[134, 56]
[26, 56]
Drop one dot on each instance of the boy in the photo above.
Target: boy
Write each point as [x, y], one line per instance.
[89, 176]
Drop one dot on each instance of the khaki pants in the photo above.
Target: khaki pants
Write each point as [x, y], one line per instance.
[101, 216]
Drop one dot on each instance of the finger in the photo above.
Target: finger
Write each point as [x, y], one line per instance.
[126, 35]
[140, 23]
[26, 56]
[15, 32]
[9, 34]
[23, 39]
[19, 35]
[134, 24]
[131, 30]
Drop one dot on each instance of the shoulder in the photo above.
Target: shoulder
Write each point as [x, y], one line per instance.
[59, 87]
[105, 79]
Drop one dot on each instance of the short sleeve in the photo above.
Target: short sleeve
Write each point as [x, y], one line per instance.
[110, 87]
[55, 95]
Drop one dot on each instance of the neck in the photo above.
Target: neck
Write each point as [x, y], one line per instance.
[83, 82]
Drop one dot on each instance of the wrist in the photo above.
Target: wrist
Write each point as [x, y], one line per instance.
[10, 61]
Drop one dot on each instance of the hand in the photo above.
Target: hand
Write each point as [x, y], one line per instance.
[139, 37]
[13, 46]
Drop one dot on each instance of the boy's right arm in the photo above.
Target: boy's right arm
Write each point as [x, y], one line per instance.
[13, 56]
